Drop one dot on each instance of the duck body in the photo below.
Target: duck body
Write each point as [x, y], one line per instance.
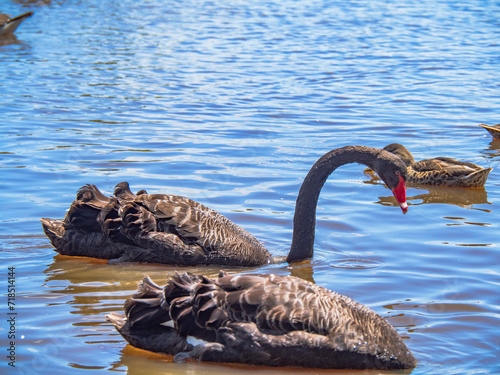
[260, 320]
[440, 171]
[494, 130]
[9, 25]
[170, 229]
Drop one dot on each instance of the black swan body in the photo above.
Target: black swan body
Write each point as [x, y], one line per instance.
[256, 319]
[169, 229]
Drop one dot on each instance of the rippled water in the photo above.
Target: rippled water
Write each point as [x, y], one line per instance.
[230, 103]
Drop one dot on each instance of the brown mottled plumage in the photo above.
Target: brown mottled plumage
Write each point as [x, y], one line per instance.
[493, 129]
[9, 25]
[169, 229]
[259, 319]
[154, 228]
[440, 171]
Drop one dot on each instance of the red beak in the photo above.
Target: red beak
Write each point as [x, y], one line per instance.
[400, 194]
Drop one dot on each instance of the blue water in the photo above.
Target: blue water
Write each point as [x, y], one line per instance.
[230, 103]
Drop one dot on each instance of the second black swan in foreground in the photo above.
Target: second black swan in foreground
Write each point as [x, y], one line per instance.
[169, 229]
[255, 319]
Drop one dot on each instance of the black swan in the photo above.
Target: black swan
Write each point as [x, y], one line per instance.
[256, 319]
[169, 229]
[440, 171]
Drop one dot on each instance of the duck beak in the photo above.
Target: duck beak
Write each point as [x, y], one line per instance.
[400, 194]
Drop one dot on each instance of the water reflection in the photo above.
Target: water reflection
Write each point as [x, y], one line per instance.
[456, 196]
[493, 151]
[138, 362]
[463, 197]
[356, 263]
[90, 276]
[89, 273]
[11, 39]
[303, 270]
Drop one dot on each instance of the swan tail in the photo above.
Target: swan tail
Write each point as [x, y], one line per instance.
[78, 242]
[146, 323]
[54, 230]
[118, 320]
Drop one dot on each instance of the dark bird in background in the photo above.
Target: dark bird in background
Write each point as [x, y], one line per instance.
[493, 129]
[9, 25]
[440, 171]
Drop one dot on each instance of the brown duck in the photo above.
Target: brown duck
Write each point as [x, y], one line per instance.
[256, 319]
[8, 25]
[440, 171]
[170, 229]
[493, 129]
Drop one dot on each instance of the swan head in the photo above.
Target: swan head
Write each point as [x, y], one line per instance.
[392, 170]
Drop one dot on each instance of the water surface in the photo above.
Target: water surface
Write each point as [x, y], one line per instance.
[230, 103]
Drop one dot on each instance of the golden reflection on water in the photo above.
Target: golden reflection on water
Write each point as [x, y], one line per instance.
[463, 197]
[139, 362]
[7, 40]
[493, 150]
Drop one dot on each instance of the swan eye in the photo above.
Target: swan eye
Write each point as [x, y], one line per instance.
[398, 173]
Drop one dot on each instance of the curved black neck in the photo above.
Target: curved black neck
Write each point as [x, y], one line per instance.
[304, 220]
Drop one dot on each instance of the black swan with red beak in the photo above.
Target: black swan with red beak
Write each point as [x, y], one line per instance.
[170, 229]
